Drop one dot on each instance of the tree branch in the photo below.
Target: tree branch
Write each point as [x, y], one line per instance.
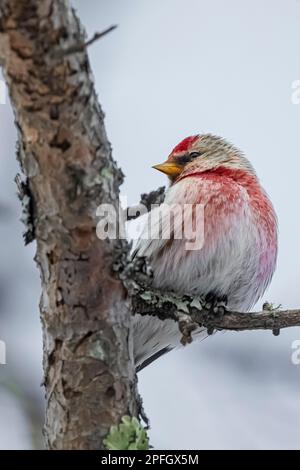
[146, 203]
[80, 47]
[191, 313]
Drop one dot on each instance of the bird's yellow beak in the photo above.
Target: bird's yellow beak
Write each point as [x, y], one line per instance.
[169, 168]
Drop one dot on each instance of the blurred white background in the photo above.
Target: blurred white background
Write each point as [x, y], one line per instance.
[174, 68]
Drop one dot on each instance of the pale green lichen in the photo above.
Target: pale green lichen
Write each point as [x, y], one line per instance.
[162, 298]
[96, 350]
[107, 179]
[182, 306]
[128, 435]
[270, 307]
[147, 296]
[196, 303]
[107, 173]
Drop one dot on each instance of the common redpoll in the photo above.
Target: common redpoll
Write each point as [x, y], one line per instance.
[237, 256]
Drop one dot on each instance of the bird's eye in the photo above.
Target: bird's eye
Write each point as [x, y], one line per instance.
[194, 154]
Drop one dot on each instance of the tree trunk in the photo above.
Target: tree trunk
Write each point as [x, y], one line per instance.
[64, 151]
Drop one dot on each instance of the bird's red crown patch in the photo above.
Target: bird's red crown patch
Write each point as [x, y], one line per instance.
[185, 144]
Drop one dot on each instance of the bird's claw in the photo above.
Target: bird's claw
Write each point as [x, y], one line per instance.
[217, 306]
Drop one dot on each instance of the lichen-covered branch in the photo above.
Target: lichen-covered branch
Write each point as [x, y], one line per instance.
[148, 200]
[192, 312]
[66, 157]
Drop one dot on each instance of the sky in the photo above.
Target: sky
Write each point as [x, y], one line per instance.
[175, 68]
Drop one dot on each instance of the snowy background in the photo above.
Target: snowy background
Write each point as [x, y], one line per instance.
[175, 68]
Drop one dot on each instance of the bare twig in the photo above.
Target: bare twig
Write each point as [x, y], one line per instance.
[81, 47]
[99, 35]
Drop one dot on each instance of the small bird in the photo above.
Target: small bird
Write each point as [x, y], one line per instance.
[237, 257]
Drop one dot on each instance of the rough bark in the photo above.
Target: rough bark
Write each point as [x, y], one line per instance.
[65, 154]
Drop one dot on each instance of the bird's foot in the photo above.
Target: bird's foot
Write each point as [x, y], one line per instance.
[270, 307]
[217, 308]
[217, 305]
